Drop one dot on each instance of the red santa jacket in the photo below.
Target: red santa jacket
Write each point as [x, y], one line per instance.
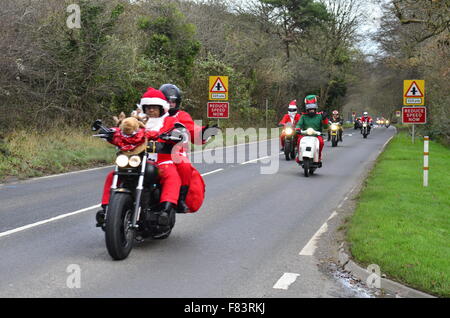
[194, 130]
[287, 119]
[366, 119]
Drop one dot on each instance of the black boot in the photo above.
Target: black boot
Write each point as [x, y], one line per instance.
[100, 216]
[164, 217]
[182, 206]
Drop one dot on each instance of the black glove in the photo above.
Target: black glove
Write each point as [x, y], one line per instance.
[209, 131]
[324, 115]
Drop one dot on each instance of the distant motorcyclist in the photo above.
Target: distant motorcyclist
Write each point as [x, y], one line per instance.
[312, 119]
[336, 118]
[292, 117]
[367, 119]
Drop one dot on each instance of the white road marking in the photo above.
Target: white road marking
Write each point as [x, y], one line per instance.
[332, 215]
[59, 217]
[285, 281]
[211, 172]
[254, 160]
[311, 246]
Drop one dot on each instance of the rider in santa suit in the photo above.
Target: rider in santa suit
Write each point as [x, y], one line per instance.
[155, 105]
[198, 135]
[291, 117]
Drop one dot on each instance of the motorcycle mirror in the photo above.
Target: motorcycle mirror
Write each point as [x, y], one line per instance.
[179, 125]
[96, 125]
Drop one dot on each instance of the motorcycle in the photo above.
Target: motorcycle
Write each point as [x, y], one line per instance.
[134, 212]
[387, 123]
[308, 151]
[335, 133]
[365, 129]
[289, 141]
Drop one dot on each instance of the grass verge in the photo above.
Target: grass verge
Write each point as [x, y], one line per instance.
[402, 226]
[31, 153]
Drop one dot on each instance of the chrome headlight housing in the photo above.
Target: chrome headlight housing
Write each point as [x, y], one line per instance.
[134, 161]
[122, 161]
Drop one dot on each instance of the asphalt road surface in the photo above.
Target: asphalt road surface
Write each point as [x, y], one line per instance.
[245, 241]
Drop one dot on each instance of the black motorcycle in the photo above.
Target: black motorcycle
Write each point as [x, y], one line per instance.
[134, 212]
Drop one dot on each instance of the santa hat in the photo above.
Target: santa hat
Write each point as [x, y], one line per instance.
[154, 97]
[293, 105]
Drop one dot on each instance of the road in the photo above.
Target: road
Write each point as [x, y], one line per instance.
[244, 242]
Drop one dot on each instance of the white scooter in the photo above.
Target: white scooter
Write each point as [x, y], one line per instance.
[308, 152]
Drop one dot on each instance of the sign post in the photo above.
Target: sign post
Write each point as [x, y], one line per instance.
[425, 160]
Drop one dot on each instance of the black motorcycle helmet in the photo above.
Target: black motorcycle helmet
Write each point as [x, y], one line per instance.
[172, 93]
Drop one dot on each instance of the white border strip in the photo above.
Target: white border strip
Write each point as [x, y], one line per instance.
[59, 217]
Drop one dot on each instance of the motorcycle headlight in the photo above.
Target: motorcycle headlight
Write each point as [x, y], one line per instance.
[364, 125]
[134, 161]
[289, 131]
[334, 127]
[387, 121]
[310, 131]
[122, 161]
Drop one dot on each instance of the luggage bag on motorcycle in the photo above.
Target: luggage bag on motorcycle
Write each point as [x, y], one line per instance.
[196, 193]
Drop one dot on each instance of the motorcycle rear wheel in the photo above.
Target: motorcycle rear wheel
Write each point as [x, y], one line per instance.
[306, 166]
[119, 235]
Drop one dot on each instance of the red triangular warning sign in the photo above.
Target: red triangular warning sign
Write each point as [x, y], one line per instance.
[414, 91]
[218, 87]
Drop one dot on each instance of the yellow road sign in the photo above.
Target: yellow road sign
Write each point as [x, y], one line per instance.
[218, 87]
[414, 92]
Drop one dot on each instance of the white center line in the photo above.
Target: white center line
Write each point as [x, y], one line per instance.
[59, 217]
[285, 281]
[254, 160]
[211, 172]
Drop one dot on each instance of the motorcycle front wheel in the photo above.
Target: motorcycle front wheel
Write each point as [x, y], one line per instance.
[334, 141]
[287, 149]
[119, 234]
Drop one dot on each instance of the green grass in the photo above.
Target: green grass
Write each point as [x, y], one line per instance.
[402, 226]
[31, 153]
